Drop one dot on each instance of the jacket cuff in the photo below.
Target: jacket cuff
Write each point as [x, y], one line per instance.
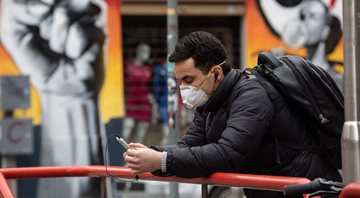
[163, 161]
[169, 167]
[169, 163]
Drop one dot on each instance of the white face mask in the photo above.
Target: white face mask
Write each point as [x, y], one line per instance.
[192, 96]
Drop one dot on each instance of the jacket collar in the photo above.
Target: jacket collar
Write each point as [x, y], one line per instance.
[222, 92]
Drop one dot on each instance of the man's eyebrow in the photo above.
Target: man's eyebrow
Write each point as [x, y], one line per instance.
[185, 77]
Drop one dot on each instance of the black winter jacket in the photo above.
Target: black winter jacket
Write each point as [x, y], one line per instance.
[235, 132]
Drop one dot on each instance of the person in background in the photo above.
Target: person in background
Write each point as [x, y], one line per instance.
[160, 92]
[138, 98]
[236, 125]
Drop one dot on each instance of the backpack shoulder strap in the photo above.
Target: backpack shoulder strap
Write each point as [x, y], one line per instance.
[269, 59]
[269, 88]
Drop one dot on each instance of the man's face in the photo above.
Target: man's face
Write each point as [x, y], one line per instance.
[187, 74]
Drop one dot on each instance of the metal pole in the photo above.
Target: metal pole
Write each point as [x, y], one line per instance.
[172, 38]
[9, 161]
[243, 43]
[350, 144]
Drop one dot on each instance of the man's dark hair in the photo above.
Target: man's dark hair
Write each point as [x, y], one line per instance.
[205, 49]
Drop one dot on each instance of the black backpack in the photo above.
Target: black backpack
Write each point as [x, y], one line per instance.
[311, 91]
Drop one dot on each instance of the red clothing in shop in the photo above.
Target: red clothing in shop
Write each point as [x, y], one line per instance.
[137, 102]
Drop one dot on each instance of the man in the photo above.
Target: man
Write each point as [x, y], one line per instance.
[236, 126]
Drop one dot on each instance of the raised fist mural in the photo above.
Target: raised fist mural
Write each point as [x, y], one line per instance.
[59, 44]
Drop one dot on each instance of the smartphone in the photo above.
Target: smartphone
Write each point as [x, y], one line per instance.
[122, 142]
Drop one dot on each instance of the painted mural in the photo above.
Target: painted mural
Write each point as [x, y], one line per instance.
[308, 28]
[72, 52]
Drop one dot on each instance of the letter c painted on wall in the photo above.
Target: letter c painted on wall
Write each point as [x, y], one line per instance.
[10, 133]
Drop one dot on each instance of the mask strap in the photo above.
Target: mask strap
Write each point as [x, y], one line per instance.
[219, 65]
[222, 63]
[205, 79]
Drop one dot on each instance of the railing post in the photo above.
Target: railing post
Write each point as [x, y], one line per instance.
[103, 187]
[5, 190]
[204, 190]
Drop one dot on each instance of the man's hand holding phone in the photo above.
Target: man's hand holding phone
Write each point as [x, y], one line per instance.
[140, 158]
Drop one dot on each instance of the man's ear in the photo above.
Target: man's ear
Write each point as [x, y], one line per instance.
[217, 72]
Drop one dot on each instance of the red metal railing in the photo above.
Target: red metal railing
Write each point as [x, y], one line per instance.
[5, 190]
[220, 179]
[351, 190]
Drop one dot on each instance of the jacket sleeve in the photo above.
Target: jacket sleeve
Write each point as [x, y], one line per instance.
[250, 114]
[194, 136]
